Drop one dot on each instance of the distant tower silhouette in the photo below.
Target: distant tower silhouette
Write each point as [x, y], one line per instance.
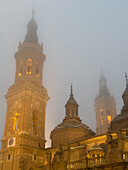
[105, 107]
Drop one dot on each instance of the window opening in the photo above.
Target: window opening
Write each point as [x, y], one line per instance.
[9, 156]
[93, 155]
[101, 116]
[21, 69]
[108, 116]
[37, 69]
[72, 112]
[68, 112]
[15, 125]
[29, 66]
[34, 156]
[109, 119]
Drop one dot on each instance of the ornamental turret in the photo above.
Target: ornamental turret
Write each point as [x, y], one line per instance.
[71, 107]
[72, 128]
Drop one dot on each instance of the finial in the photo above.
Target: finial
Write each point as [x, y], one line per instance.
[126, 77]
[71, 90]
[33, 13]
[101, 70]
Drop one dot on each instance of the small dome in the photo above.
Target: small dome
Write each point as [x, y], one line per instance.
[96, 147]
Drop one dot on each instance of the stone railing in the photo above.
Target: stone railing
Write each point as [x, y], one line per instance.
[89, 162]
[76, 164]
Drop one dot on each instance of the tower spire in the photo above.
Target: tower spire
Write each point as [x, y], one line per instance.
[126, 77]
[31, 35]
[71, 95]
[101, 70]
[33, 12]
[71, 107]
[103, 86]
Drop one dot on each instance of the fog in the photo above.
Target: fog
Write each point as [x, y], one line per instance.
[80, 37]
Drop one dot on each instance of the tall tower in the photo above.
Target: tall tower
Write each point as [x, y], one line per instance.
[121, 121]
[71, 128]
[105, 107]
[24, 133]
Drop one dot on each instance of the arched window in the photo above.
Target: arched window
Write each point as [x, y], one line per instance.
[15, 124]
[68, 112]
[72, 112]
[29, 66]
[108, 116]
[21, 69]
[101, 116]
[37, 69]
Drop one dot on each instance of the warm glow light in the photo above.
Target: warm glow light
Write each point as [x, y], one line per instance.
[20, 71]
[109, 119]
[20, 74]
[28, 72]
[29, 65]
[15, 121]
[101, 116]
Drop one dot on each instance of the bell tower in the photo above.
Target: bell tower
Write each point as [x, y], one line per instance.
[105, 107]
[26, 101]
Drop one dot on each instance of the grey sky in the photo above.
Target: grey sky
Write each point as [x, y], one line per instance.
[79, 37]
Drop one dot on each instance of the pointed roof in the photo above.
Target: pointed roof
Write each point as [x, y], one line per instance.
[71, 108]
[125, 98]
[32, 27]
[95, 147]
[126, 89]
[71, 98]
[103, 91]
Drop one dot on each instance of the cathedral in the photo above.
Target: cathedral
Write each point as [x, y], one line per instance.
[74, 146]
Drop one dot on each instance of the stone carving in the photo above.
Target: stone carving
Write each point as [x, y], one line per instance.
[21, 163]
[59, 155]
[49, 157]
